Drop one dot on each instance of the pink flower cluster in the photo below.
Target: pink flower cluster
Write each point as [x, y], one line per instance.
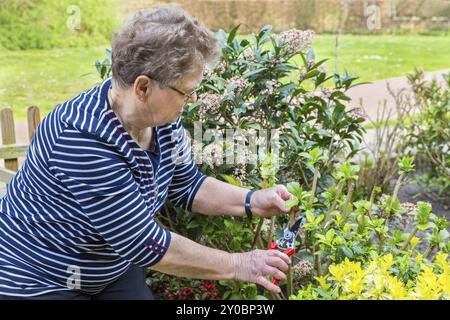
[238, 84]
[408, 206]
[212, 154]
[297, 40]
[209, 101]
[207, 72]
[271, 85]
[248, 54]
[357, 113]
[303, 268]
[220, 68]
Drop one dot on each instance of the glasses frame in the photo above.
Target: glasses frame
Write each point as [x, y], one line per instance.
[187, 96]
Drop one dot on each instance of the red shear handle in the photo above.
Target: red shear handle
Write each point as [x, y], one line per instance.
[273, 246]
[289, 252]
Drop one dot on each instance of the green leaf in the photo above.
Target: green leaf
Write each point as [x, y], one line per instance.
[443, 235]
[315, 154]
[231, 180]
[322, 293]
[254, 72]
[311, 74]
[347, 252]
[305, 155]
[244, 43]
[235, 245]
[294, 188]
[108, 52]
[330, 235]
[250, 291]
[232, 34]
[262, 35]
[254, 126]
[291, 203]
[424, 226]
[228, 224]
[236, 296]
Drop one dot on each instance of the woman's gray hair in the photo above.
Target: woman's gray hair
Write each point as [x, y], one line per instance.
[165, 43]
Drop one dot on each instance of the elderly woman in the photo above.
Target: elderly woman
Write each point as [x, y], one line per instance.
[77, 221]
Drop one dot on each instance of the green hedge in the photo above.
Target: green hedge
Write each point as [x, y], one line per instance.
[43, 24]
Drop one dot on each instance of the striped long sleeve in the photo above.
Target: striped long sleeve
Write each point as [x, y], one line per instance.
[104, 187]
[86, 199]
[187, 179]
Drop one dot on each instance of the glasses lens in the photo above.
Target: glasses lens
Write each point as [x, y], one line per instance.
[189, 96]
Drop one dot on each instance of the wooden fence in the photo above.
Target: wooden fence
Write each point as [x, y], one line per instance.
[10, 151]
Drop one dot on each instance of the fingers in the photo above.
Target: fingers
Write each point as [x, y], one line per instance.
[263, 264]
[275, 265]
[266, 283]
[281, 255]
[282, 196]
[272, 201]
[283, 192]
[274, 272]
[281, 205]
[277, 200]
[278, 263]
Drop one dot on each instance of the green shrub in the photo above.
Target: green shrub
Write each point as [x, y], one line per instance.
[256, 86]
[357, 249]
[251, 89]
[44, 24]
[428, 128]
[378, 280]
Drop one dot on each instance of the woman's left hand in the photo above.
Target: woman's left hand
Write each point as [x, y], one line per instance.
[270, 202]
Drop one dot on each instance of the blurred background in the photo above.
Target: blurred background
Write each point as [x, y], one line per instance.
[48, 48]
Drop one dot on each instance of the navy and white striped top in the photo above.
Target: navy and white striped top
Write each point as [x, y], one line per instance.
[85, 199]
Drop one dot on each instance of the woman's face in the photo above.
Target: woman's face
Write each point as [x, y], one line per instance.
[167, 104]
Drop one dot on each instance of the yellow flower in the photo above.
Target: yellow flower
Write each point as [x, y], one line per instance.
[323, 282]
[444, 283]
[419, 258]
[356, 285]
[386, 262]
[374, 280]
[396, 288]
[427, 287]
[337, 272]
[376, 283]
[414, 242]
[441, 261]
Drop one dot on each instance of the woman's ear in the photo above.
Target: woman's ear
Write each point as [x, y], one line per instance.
[143, 86]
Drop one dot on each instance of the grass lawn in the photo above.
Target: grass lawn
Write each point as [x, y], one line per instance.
[381, 57]
[46, 78]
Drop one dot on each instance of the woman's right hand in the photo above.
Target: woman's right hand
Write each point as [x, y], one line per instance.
[256, 265]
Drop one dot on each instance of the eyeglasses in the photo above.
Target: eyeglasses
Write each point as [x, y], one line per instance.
[187, 96]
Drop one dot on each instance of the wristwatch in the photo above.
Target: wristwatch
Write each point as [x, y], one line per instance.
[248, 210]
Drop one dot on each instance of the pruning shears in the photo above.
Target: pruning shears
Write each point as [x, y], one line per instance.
[287, 242]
